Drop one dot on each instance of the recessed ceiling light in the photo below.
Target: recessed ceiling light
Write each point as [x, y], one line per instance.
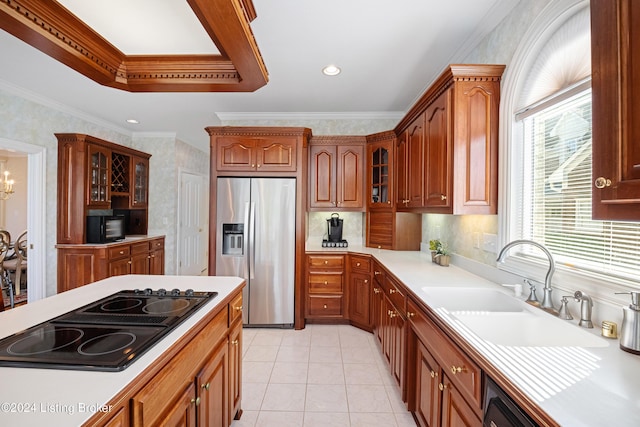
[133, 121]
[331, 70]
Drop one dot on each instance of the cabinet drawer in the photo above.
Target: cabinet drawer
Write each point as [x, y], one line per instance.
[360, 264]
[156, 244]
[462, 372]
[140, 247]
[325, 283]
[321, 262]
[396, 294]
[325, 305]
[235, 308]
[116, 252]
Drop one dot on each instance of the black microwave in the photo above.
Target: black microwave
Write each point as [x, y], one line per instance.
[105, 229]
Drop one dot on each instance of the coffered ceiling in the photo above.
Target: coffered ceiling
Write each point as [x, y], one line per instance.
[180, 65]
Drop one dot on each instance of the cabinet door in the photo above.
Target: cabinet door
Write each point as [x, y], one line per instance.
[350, 177]
[360, 299]
[140, 263]
[379, 173]
[615, 59]
[402, 171]
[398, 341]
[235, 370]
[119, 267]
[415, 161]
[183, 412]
[427, 395]
[213, 388]
[322, 176]
[377, 305]
[156, 262]
[99, 177]
[140, 180]
[235, 154]
[455, 410]
[276, 155]
[437, 147]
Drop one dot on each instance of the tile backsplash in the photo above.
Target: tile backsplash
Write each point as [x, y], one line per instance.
[352, 226]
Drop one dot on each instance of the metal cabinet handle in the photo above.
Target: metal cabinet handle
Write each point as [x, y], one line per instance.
[602, 182]
[238, 308]
[457, 369]
[357, 264]
[234, 342]
[375, 273]
[326, 262]
[196, 401]
[434, 374]
[376, 290]
[392, 291]
[410, 314]
[443, 197]
[325, 282]
[442, 386]
[206, 386]
[366, 281]
[325, 306]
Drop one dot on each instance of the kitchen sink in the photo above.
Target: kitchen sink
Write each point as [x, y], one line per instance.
[471, 299]
[527, 329]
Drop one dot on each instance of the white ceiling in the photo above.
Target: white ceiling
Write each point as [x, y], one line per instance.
[389, 52]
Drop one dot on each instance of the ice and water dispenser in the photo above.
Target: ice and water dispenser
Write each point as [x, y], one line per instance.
[232, 239]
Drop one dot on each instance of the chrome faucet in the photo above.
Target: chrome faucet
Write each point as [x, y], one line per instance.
[585, 309]
[546, 304]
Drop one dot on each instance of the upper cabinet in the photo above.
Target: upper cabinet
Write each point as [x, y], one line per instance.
[447, 152]
[615, 72]
[380, 170]
[94, 174]
[336, 173]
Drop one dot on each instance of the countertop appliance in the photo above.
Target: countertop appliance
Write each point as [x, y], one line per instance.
[501, 411]
[106, 335]
[630, 329]
[256, 240]
[104, 229]
[334, 233]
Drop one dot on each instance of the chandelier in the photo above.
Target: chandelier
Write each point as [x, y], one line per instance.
[6, 186]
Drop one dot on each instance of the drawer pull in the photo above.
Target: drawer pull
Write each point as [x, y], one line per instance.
[206, 386]
[392, 314]
[376, 290]
[458, 369]
[434, 374]
[442, 386]
[324, 306]
[410, 314]
[376, 273]
[366, 281]
[238, 308]
[196, 401]
[326, 262]
[392, 291]
[357, 264]
[326, 283]
[234, 342]
[121, 252]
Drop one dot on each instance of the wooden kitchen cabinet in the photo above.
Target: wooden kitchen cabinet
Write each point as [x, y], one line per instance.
[336, 173]
[235, 357]
[615, 70]
[409, 165]
[456, 124]
[360, 291]
[79, 265]
[444, 385]
[256, 153]
[380, 170]
[325, 287]
[94, 174]
[212, 390]
[388, 229]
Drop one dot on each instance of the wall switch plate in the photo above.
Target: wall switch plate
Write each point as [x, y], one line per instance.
[490, 242]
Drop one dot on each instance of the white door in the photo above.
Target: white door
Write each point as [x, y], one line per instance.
[192, 225]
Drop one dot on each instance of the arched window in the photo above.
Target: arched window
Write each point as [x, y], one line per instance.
[549, 154]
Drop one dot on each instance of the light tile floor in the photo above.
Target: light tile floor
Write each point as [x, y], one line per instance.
[323, 375]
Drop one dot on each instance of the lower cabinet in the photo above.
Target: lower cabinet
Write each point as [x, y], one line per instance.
[325, 288]
[79, 265]
[360, 290]
[444, 385]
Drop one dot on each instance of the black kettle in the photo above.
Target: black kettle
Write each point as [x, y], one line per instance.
[334, 228]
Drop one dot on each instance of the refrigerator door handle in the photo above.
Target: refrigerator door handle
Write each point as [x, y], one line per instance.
[252, 240]
[245, 239]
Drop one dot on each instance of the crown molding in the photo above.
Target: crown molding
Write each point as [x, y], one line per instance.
[55, 31]
[290, 116]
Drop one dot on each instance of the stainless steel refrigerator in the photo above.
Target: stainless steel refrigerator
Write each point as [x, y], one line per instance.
[256, 240]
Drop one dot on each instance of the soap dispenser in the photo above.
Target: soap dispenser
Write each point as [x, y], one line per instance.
[630, 330]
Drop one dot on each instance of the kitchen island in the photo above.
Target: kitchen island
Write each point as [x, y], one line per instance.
[203, 351]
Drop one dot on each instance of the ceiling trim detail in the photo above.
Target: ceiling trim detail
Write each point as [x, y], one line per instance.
[54, 30]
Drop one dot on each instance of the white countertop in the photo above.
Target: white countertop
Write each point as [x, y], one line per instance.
[576, 386]
[55, 397]
[132, 238]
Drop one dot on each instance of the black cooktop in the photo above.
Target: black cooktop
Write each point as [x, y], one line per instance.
[106, 335]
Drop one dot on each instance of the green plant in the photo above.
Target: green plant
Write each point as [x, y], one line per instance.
[442, 249]
[434, 244]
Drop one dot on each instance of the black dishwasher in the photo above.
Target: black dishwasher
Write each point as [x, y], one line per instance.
[501, 411]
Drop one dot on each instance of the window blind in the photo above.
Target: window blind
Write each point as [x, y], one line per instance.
[556, 193]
